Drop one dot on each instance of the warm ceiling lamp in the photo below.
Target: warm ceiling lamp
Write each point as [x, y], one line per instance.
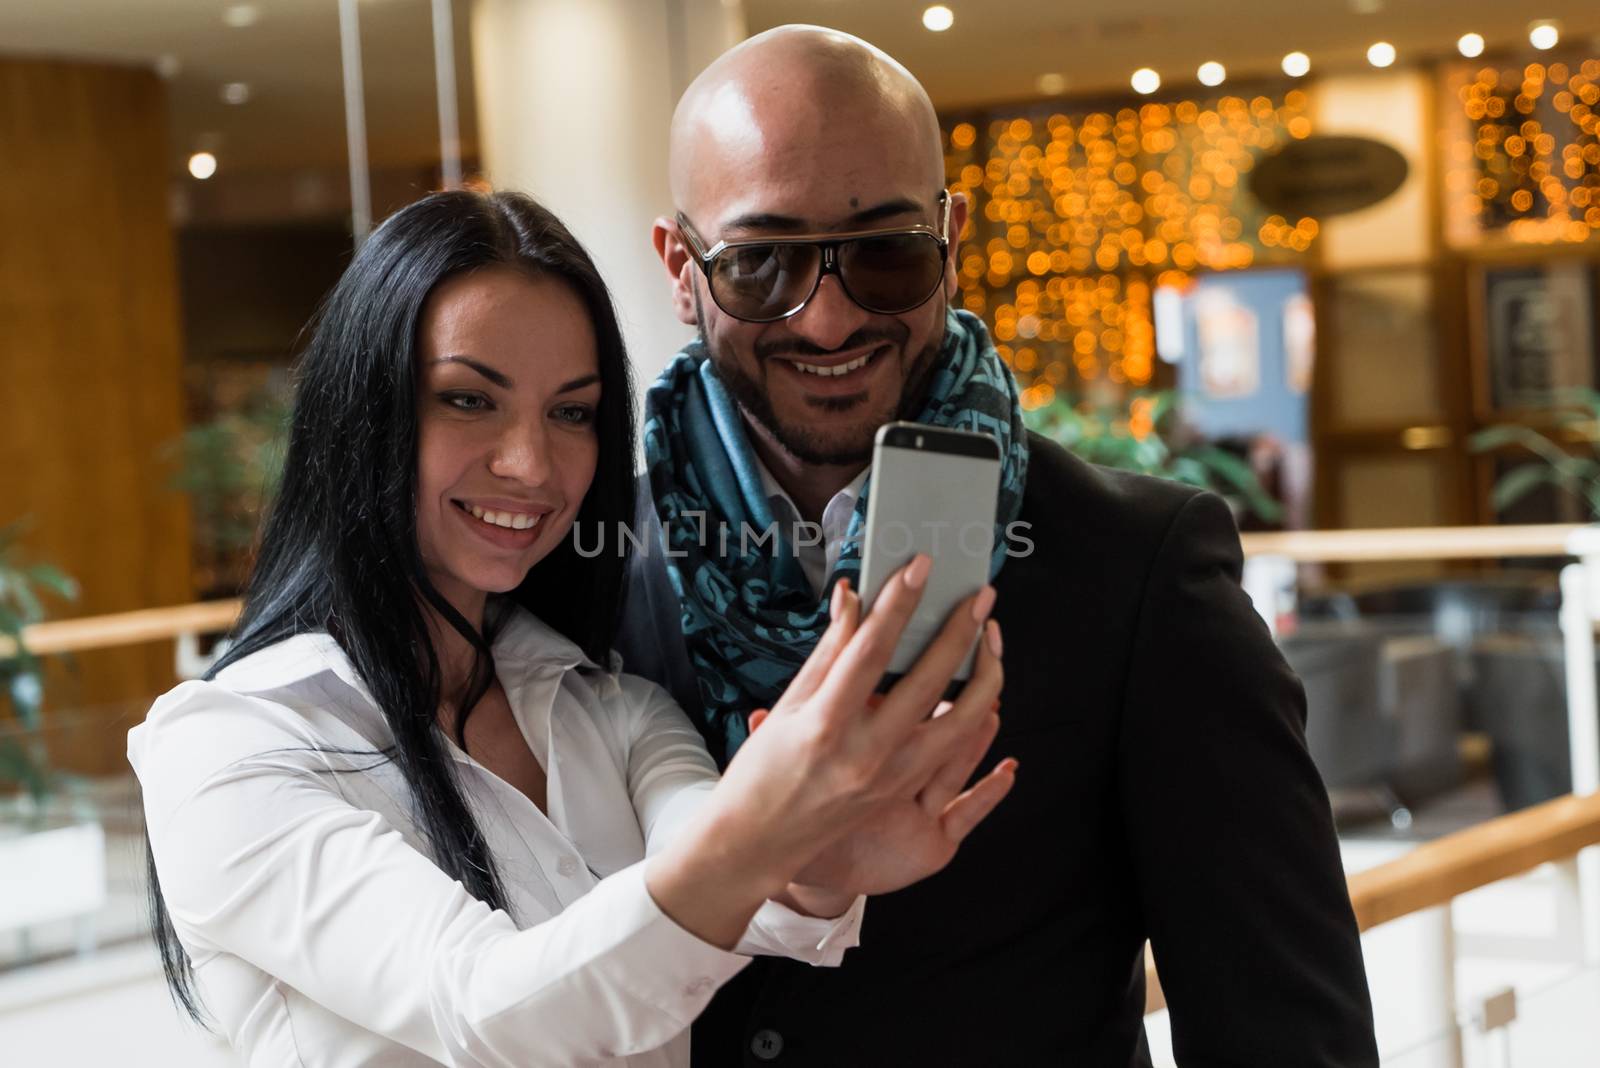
[1470, 45]
[1052, 84]
[938, 18]
[1296, 64]
[202, 165]
[1146, 81]
[1381, 54]
[1212, 73]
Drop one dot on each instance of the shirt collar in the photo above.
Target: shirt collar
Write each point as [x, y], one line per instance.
[524, 643]
[776, 494]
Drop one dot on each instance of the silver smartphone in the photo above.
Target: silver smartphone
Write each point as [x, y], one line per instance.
[933, 491]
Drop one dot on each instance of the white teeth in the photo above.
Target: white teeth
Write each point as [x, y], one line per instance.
[842, 369]
[509, 520]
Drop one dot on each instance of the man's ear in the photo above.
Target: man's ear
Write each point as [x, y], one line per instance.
[679, 262]
[959, 206]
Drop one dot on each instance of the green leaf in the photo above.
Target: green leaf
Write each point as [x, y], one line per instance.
[1521, 481]
[55, 580]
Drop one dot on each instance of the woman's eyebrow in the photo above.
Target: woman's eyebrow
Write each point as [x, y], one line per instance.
[499, 379]
[578, 383]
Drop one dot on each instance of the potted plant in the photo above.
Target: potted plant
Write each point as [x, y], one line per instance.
[1520, 694]
[1576, 421]
[1147, 435]
[230, 467]
[52, 847]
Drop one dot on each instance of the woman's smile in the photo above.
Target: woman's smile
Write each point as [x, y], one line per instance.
[505, 527]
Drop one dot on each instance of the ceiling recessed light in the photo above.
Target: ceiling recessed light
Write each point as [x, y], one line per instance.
[1296, 64]
[938, 18]
[1381, 54]
[240, 16]
[202, 165]
[1470, 45]
[1544, 35]
[1146, 81]
[236, 93]
[168, 66]
[1052, 84]
[1212, 73]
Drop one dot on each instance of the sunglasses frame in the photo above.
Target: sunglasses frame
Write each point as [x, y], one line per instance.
[829, 264]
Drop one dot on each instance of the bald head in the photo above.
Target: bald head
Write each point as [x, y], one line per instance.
[780, 103]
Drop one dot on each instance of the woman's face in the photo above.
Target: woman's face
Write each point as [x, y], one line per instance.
[507, 442]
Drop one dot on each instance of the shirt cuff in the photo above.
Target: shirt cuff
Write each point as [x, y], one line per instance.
[778, 930]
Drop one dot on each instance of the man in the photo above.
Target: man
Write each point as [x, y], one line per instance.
[1164, 792]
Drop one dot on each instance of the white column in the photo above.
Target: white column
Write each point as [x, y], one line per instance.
[575, 99]
[1580, 608]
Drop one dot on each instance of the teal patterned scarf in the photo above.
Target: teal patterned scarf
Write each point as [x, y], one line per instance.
[749, 616]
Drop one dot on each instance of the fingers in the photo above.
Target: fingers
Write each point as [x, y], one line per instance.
[948, 780]
[974, 806]
[854, 674]
[844, 614]
[758, 717]
[911, 698]
[933, 742]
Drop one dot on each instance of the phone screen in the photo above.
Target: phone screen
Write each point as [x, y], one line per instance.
[933, 491]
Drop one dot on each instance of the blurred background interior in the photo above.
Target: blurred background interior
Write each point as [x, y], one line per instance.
[1339, 262]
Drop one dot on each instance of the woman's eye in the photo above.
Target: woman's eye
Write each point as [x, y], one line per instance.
[465, 402]
[576, 414]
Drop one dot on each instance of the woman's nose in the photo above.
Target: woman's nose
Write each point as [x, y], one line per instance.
[523, 454]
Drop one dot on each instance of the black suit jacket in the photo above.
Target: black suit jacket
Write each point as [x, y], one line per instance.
[1164, 792]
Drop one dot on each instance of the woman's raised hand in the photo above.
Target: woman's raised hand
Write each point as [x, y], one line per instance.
[848, 793]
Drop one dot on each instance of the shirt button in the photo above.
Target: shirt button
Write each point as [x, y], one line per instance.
[698, 988]
[767, 1044]
[567, 867]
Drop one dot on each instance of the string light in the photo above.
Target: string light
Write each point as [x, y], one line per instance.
[202, 165]
[938, 18]
[1544, 35]
[1145, 81]
[1470, 45]
[1381, 54]
[1079, 217]
[1212, 73]
[1296, 64]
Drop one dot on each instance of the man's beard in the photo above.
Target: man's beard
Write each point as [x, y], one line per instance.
[801, 442]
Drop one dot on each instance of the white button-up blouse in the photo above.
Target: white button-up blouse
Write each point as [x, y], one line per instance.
[321, 932]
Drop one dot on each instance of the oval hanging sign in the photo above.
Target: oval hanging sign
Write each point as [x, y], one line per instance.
[1327, 175]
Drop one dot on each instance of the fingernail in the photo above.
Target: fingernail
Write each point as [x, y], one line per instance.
[873, 701]
[835, 601]
[996, 646]
[1010, 764]
[983, 604]
[996, 706]
[917, 573]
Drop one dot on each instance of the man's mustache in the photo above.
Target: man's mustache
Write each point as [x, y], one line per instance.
[799, 346]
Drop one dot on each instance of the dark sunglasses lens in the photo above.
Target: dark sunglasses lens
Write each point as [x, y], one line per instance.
[891, 274]
[764, 281]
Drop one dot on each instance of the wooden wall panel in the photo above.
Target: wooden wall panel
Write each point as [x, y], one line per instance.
[90, 365]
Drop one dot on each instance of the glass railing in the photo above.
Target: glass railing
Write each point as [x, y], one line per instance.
[1549, 1024]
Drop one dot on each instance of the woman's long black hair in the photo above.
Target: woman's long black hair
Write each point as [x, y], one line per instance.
[339, 549]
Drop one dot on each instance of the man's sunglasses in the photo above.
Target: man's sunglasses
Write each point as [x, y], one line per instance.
[764, 279]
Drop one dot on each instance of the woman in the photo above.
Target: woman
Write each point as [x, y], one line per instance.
[412, 816]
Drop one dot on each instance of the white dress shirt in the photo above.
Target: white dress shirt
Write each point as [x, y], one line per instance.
[322, 934]
[816, 560]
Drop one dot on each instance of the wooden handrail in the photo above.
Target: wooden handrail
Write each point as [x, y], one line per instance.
[1311, 546]
[1437, 872]
[126, 628]
[1412, 543]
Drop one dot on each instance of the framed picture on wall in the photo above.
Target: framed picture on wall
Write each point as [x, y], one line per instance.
[1536, 332]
